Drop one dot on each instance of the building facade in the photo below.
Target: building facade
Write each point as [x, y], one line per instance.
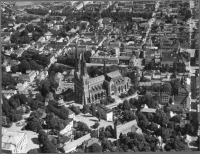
[124, 128]
[106, 112]
[67, 131]
[92, 90]
[14, 142]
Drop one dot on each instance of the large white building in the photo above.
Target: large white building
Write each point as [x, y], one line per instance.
[68, 129]
[13, 142]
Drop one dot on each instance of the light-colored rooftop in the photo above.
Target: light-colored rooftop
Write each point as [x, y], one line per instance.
[11, 138]
[75, 143]
[148, 110]
[97, 79]
[114, 74]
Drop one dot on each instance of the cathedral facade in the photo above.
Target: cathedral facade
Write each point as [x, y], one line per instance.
[92, 90]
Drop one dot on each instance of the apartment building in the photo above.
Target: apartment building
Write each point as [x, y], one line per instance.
[13, 142]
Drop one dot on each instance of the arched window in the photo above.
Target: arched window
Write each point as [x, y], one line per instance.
[112, 87]
[119, 89]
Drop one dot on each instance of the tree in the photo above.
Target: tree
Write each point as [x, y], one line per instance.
[86, 108]
[30, 28]
[24, 33]
[96, 125]
[129, 115]
[35, 114]
[102, 135]
[40, 112]
[14, 68]
[75, 109]
[22, 98]
[49, 147]
[24, 66]
[126, 105]
[161, 118]
[176, 118]
[189, 129]
[99, 114]
[153, 127]
[17, 117]
[132, 102]
[39, 97]
[82, 126]
[106, 145]
[94, 133]
[95, 147]
[42, 137]
[34, 125]
[93, 71]
[7, 80]
[167, 88]
[27, 110]
[33, 65]
[87, 55]
[179, 145]
[131, 91]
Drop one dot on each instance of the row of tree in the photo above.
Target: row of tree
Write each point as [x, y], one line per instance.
[61, 113]
[42, 12]
[8, 80]
[25, 66]
[14, 107]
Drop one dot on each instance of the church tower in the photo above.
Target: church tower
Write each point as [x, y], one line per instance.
[81, 79]
[84, 81]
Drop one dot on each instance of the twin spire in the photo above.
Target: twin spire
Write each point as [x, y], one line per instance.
[80, 63]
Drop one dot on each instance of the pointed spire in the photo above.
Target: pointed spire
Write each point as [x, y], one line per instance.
[83, 65]
[83, 57]
[76, 59]
[104, 66]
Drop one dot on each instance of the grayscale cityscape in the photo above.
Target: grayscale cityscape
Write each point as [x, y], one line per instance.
[100, 76]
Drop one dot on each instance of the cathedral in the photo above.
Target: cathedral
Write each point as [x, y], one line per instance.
[92, 90]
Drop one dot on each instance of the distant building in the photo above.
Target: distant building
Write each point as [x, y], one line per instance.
[67, 131]
[21, 86]
[106, 112]
[124, 128]
[148, 110]
[42, 75]
[164, 97]
[29, 76]
[168, 60]
[91, 141]
[70, 147]
[8, 93]
[59, 77]
[13, 142]
[92, 90]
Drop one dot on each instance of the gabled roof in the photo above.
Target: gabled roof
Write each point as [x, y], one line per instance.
[148, 110]
[96, 79]
[117, 122]
[114, 74]
[91, 141]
